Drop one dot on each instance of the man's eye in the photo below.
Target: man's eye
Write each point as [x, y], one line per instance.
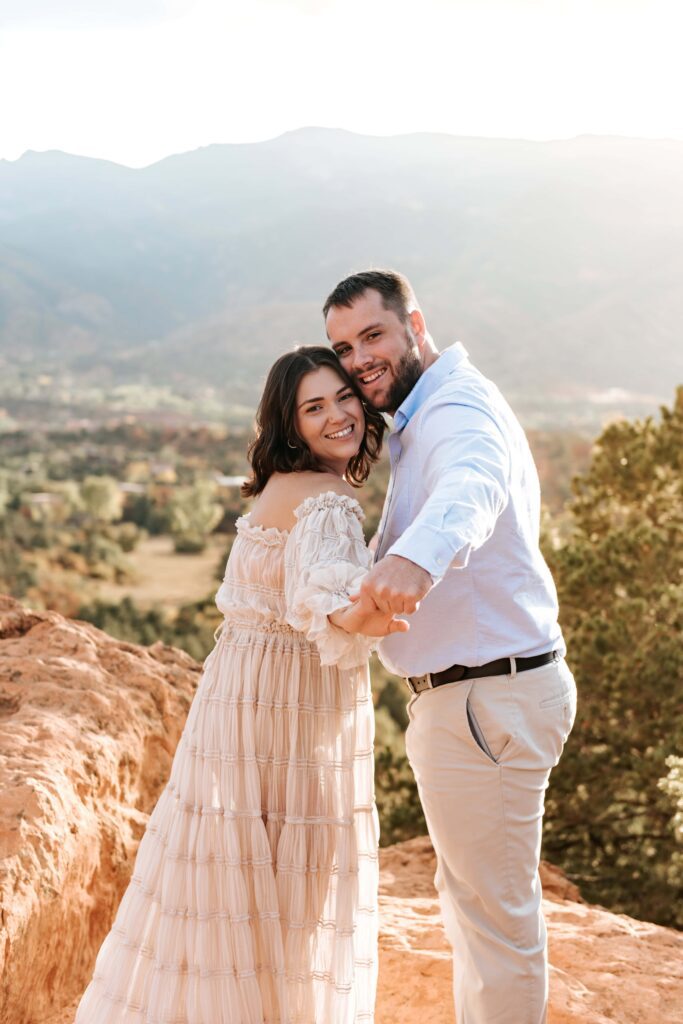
[342, 351]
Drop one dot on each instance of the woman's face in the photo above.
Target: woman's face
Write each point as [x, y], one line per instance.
[329, 418]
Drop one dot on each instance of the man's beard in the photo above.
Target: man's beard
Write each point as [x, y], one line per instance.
[406, 375]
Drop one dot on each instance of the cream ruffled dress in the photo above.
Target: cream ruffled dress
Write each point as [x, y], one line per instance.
[253, 898]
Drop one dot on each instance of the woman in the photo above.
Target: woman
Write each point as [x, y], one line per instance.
[253, 897]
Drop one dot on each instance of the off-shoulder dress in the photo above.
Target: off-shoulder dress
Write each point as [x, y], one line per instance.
[253, 898]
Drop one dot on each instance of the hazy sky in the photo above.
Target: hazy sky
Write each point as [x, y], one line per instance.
[135, 80]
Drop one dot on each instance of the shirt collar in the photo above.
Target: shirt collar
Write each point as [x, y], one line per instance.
[428, 383]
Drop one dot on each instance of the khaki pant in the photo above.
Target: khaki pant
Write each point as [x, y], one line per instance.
[482, 751]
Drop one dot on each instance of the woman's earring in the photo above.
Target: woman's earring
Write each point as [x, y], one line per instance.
[290, 445]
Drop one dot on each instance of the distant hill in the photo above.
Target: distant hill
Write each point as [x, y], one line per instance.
[559, 264]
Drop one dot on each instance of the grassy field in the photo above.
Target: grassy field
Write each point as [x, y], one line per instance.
[166, 578]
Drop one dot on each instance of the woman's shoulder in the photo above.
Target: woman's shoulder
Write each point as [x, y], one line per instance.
[296, 487]
[287, 495]
[327, 492]
[313, 484]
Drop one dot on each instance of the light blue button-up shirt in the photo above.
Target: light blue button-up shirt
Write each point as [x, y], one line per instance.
[464, 503]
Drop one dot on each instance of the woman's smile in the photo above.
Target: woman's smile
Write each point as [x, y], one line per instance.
[340, 435]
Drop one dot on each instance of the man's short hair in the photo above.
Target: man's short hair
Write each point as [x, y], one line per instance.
[395, 289]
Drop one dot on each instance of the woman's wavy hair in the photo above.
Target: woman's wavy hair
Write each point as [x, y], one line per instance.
[271, 450]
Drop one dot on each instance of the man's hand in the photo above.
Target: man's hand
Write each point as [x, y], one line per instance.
[363, 616]
[396, 585]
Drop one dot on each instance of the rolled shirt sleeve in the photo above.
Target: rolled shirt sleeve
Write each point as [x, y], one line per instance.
[466, 474]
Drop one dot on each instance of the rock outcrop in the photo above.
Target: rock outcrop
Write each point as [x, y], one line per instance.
[88, 726]
[604, 968]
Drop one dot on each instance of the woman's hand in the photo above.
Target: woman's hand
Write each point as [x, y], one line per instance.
[363, 616]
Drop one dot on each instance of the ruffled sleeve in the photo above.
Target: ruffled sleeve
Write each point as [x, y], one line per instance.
[326, 558]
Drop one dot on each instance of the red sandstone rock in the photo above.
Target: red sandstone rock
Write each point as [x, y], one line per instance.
[604, 968]
[88, 726]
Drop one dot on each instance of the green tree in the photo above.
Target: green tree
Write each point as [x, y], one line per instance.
[620, 581]
[17, 574]
[193, 514]
[5, 493]
[101, 498]
[672, 786]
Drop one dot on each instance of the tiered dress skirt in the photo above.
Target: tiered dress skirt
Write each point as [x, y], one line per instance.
[253, 898]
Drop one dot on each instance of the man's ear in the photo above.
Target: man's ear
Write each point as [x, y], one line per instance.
[418, 327]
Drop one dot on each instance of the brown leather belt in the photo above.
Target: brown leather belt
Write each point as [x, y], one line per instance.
[499, 667]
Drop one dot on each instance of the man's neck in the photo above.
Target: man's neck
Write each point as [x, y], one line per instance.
[430, 353]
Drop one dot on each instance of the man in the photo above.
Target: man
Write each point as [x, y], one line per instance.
[493, 700]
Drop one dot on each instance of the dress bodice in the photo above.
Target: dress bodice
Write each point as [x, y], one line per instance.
[298, 577]
[254, 582]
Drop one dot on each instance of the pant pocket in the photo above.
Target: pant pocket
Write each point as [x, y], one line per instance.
[555, 699]
[490, 717]
[548, 716]
[563, 697]
[477, 734]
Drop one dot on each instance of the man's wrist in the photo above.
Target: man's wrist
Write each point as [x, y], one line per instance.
[411, 562]
[429, 550]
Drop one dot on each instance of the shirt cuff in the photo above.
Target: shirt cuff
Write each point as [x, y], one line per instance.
[431, 549]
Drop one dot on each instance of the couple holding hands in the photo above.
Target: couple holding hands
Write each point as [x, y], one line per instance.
[254, 894]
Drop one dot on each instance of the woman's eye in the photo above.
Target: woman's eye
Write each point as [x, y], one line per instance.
[313, 408]
[343, 398]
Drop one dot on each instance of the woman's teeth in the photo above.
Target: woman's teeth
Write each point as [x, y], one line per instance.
[346, 432]
[375, 375]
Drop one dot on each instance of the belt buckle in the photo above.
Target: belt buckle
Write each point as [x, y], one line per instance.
[419, 683]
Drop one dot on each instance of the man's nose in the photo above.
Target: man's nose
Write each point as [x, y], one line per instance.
[362, 359]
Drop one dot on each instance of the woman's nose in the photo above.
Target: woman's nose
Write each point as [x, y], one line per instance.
[337, 413]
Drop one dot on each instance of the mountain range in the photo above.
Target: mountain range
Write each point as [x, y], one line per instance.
[558, 264]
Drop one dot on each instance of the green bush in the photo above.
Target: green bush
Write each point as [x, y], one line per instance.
[620, 582]
[17, 575]
[398, 805]
[191, 629]
[189, 543]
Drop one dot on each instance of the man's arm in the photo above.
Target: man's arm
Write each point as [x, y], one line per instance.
[466, 468]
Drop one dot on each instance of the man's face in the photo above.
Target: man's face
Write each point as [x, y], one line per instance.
[376, 349]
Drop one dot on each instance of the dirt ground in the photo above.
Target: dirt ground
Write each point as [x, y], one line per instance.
[163, 577]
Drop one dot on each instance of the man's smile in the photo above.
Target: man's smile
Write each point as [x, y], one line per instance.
[372, 375]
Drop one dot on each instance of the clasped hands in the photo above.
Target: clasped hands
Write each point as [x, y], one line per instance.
[394, 586]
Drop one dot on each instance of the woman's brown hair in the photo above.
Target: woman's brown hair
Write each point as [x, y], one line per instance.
[271, 450]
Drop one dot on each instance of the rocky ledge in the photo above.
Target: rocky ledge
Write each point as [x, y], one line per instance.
[88, 726]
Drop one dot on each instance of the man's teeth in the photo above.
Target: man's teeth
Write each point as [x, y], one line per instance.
[375, 375]
[342, 433]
